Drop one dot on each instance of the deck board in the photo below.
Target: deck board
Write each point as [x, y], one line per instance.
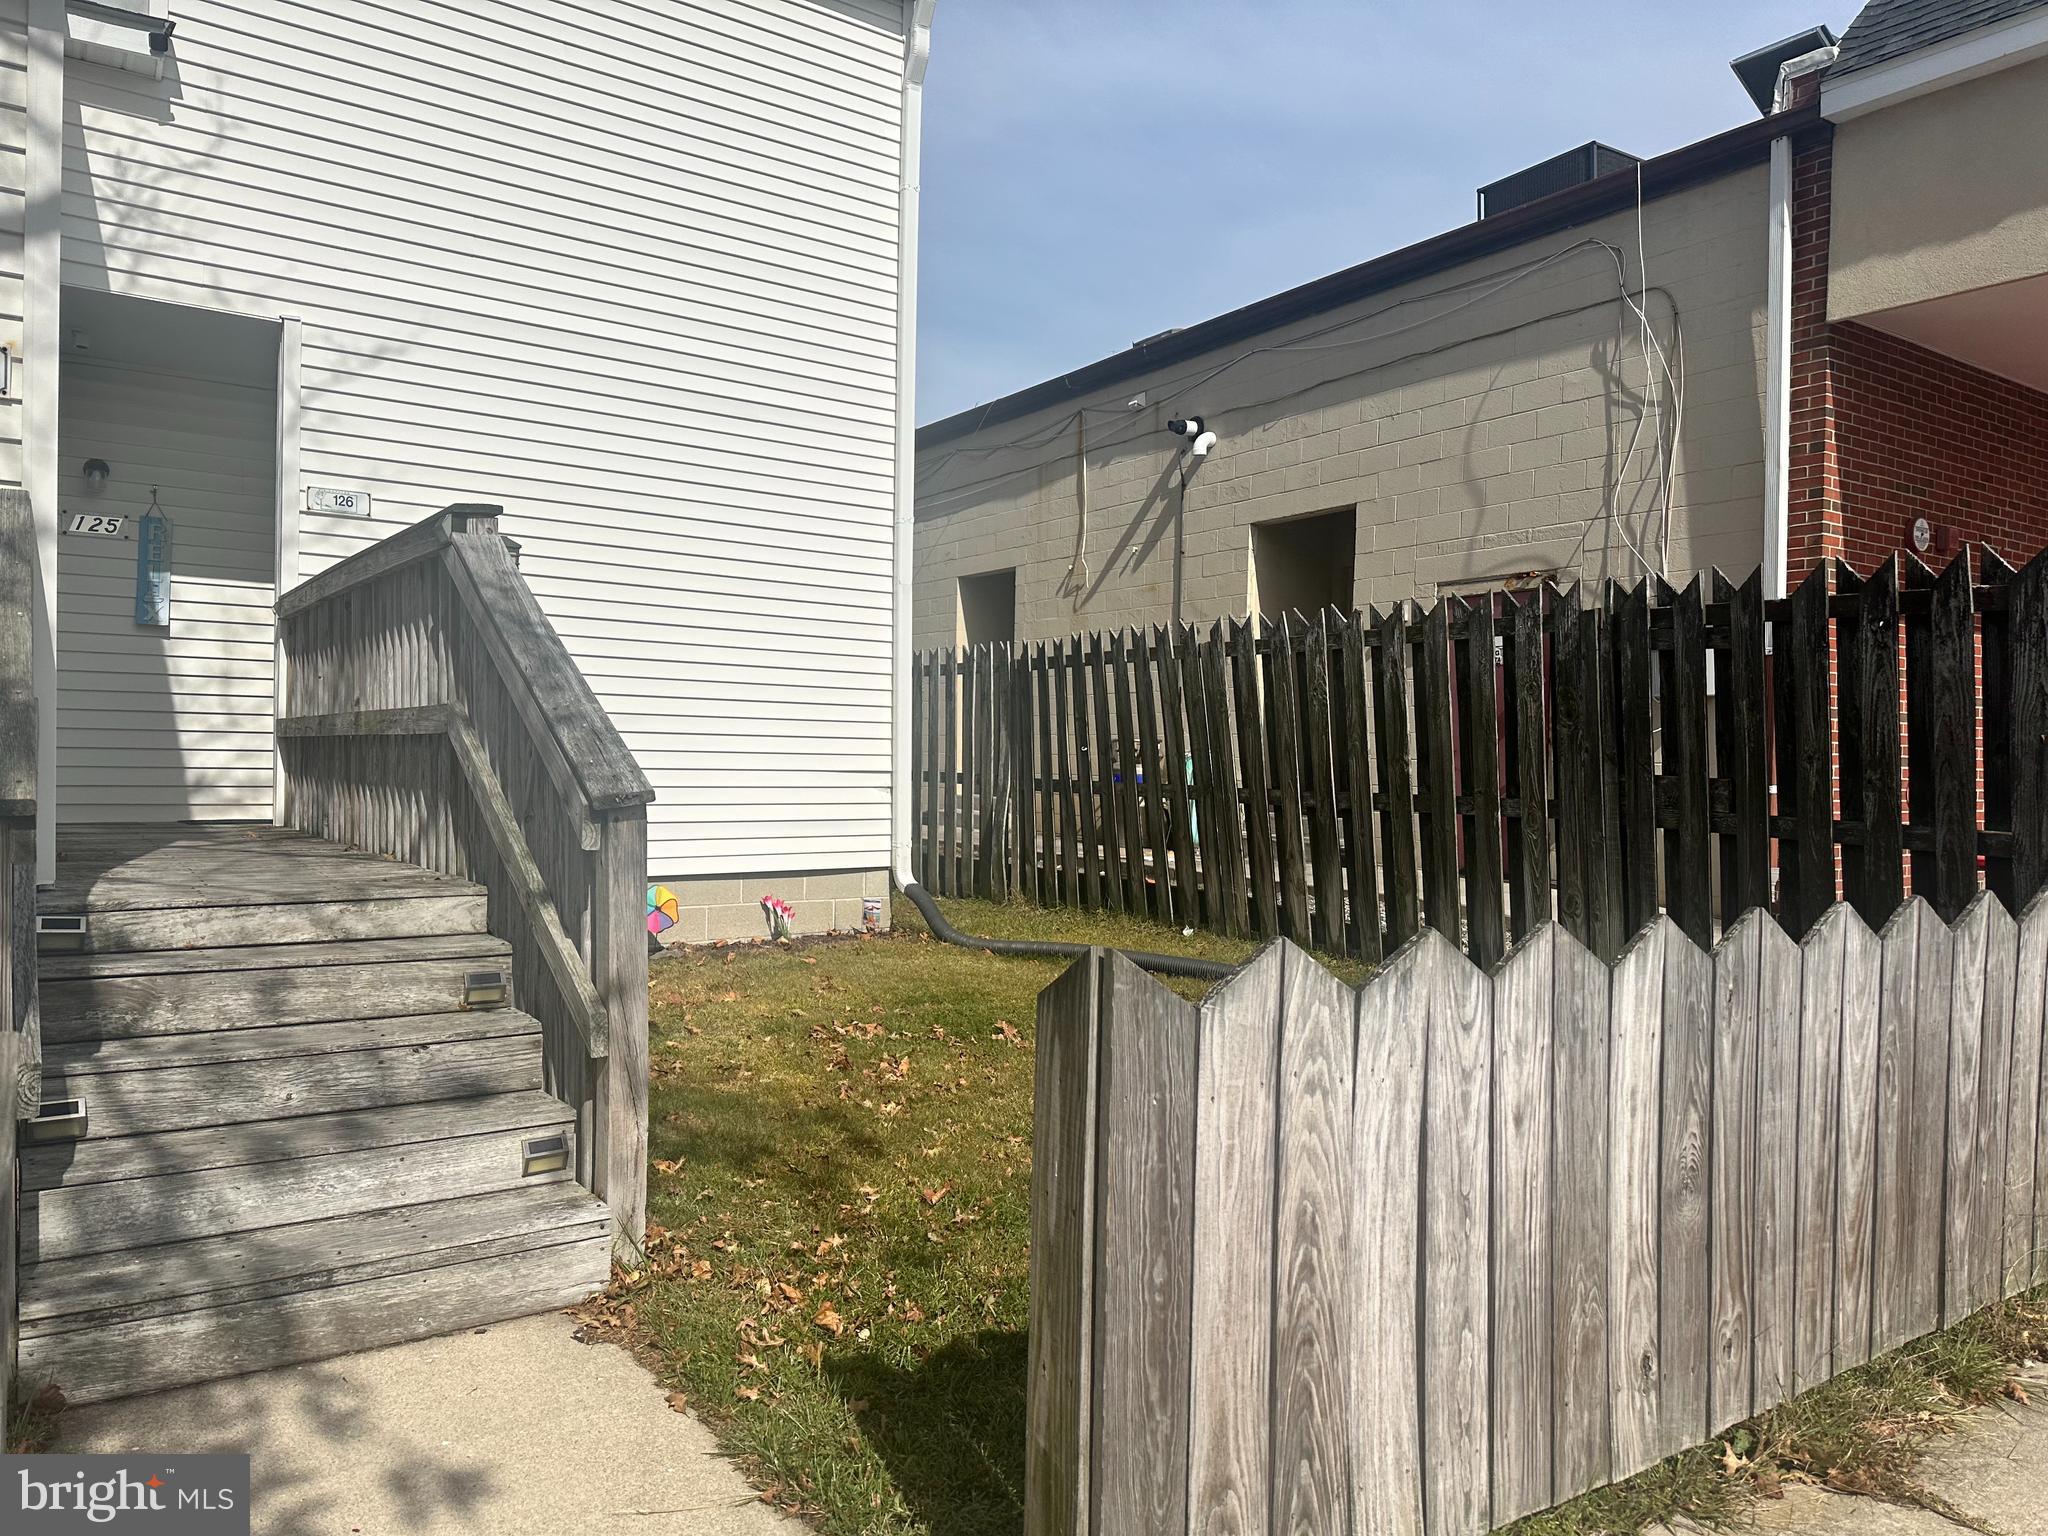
[298, 1140]
[114, 868]
[103, 1289]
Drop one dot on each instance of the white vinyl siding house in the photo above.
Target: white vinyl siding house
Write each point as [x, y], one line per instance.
[630, 270]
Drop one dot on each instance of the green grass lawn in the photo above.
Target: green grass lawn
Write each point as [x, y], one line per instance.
[838, 1281]
[841, 1136]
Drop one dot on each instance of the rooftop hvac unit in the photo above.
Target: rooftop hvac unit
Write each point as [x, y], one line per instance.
[1570, 169]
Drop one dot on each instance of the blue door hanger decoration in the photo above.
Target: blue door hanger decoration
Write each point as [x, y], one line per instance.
[153, 567]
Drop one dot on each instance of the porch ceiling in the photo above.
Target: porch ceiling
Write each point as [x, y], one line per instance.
[2002, 329]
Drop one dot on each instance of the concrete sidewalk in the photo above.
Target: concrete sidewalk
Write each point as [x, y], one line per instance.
[1993, 1472]
[514, 1430]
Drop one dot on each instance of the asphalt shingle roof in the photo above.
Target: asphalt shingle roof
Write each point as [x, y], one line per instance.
[1889, 29]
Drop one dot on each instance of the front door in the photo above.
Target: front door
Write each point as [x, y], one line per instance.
[166, 566]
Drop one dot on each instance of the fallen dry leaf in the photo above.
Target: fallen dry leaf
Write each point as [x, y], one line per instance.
[748, 1394]
[934, 1196]
[828, 1318]
[677, 1401]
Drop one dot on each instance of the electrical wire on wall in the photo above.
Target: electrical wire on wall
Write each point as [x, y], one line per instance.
[1662, 365]
[1075, 583]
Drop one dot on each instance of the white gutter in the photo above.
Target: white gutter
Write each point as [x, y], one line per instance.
[1778, 375]
[1963, 58]
[917, 48]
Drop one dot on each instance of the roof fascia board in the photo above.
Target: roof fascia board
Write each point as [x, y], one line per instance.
[2015, 41]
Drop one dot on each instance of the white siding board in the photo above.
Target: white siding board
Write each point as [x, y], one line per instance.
[792, 152]
[747, 418]
[726, 315]
[747, 254]
[139, 252]
[741, 471]
[781, 208]
[648, 306]
[729, 88]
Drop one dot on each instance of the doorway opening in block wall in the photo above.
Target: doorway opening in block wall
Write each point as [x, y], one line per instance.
[1304, 564]
[988, 607]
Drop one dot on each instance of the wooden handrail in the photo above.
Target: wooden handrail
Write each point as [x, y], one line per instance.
[556, 702]
[421, 541]
[563, 962]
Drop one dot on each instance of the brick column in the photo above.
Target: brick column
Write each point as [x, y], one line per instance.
[1814, 484]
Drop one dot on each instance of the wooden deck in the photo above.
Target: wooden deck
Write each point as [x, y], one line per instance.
[300, 1138]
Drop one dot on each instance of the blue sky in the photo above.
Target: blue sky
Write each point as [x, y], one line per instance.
[1098, 172]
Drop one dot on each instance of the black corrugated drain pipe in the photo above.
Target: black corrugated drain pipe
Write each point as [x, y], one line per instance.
[1160, 965]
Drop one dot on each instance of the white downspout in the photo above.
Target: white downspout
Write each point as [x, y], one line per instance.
[1778, 333]
[917, 47]
[1778, 376]
[42, 257]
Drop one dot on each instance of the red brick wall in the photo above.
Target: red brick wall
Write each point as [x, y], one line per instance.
[1884, 431]
[1813, 486]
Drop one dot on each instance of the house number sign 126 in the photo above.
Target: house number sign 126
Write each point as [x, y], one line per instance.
[94, 523]
[337, 502]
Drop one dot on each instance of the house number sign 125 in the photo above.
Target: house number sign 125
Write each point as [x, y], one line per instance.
[94, 523]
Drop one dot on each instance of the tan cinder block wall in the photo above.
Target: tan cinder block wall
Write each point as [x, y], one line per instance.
[1941, 194]
[716, 908]
[1472, 445]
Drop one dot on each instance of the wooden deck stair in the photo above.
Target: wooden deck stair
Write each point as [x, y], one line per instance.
[299, 1140]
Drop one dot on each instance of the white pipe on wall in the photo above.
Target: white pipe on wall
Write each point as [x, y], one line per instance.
[42, 269]
[917, 47]
[1778, 376]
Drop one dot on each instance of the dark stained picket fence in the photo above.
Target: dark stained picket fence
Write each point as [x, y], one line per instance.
[1481, 766]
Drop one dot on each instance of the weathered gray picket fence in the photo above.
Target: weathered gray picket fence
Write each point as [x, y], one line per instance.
[1455, 1247]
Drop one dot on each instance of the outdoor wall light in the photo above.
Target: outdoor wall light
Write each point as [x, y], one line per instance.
[1200, 438]
[96, 472]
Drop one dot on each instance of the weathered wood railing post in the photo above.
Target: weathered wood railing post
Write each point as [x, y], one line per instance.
[619, 959]
[20, 1029]
[433, 715]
